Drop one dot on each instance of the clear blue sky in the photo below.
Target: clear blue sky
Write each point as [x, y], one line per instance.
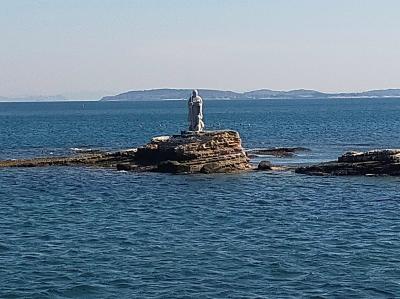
[91, 47]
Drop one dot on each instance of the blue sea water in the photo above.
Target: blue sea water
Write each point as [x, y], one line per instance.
[95, 233]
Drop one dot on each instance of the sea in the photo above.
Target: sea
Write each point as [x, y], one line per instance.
[78, 232]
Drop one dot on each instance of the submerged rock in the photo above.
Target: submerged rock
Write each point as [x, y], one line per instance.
[264, 165]
[376, 162]
[281, 152]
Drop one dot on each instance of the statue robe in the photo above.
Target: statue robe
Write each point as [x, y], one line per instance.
[195, 117]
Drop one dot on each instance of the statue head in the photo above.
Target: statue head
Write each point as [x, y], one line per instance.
[195, 93]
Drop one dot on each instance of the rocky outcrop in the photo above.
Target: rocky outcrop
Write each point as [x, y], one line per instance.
[189, 152]
[376, 162]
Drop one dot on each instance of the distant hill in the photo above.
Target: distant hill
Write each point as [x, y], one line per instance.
[374, 93]
[298, 93]
[169, 94]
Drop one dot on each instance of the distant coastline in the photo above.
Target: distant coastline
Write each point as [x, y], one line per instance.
[177, 94]
[166, 94]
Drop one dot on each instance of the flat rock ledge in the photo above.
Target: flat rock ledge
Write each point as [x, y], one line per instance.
[188, 152]
[375, 162]
[279, 152]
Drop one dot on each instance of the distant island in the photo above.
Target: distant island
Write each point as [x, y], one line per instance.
[177, 94]
[214, 94]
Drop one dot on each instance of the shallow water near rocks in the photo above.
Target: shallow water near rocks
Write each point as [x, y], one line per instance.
[95, 233]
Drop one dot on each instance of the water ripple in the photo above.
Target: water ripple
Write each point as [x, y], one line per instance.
[91, 233]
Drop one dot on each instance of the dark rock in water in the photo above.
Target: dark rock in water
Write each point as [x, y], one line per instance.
[281, 152]
[265, 165]
[172, 167]
[210, 168]
[125, 167]
[376, 162]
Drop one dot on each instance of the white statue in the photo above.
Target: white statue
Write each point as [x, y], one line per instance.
[195, 104]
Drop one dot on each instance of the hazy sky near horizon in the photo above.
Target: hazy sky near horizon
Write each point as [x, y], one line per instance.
[96, 47]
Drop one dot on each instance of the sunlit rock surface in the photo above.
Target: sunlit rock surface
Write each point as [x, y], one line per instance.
[191, 152]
